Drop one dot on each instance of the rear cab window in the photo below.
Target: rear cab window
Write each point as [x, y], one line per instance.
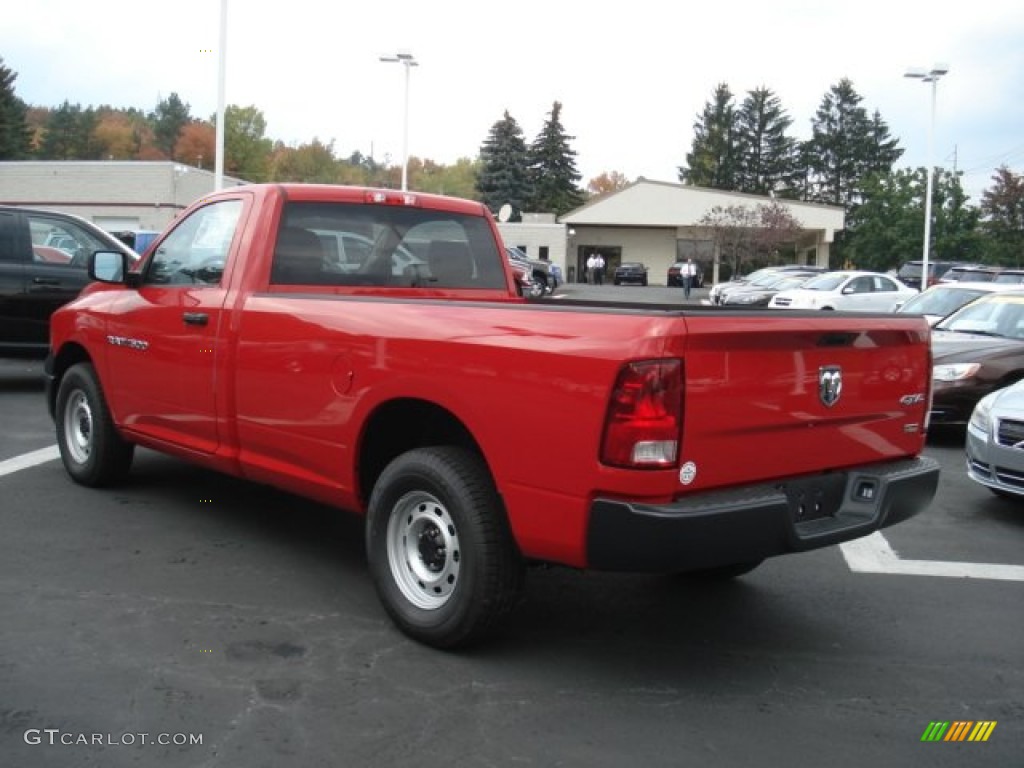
[353, 244]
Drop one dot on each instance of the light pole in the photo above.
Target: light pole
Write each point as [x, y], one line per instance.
[929, 76]
[407, 60]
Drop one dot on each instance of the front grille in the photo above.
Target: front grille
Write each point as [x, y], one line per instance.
[1011, 433]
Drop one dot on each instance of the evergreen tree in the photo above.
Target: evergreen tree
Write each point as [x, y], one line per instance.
[846, 147]
[714, 156]
[61, 136]
[170, 116]
[553, 173]
[15, 137]
[505, 173]
[767, 164]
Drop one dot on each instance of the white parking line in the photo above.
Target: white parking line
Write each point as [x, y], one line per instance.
[873, 554]
[26, 460]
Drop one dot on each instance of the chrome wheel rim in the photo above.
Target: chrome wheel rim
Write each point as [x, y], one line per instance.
[78, 427]
[423, 550]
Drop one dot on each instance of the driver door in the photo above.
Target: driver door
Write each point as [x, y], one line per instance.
[165, 342]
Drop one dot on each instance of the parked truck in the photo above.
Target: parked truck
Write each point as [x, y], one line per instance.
[675, 440]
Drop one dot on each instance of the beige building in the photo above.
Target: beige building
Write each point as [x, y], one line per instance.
[657, 223]
[115, 195]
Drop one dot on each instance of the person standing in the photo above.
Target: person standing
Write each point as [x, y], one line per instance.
[591, 268]
[598, 269]
[689, 274]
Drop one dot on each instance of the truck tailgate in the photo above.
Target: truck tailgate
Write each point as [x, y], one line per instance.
[773, 396]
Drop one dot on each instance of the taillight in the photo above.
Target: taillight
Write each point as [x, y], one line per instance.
[644, 418]
[389, 197]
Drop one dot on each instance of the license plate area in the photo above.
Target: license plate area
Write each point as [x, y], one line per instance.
[814, 498]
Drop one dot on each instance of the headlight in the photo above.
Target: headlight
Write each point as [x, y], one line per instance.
[981, 418]
[955, 372]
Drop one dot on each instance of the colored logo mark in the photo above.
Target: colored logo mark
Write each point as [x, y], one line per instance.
[959, 730]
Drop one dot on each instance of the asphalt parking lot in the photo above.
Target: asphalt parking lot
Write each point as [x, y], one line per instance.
[188, 619]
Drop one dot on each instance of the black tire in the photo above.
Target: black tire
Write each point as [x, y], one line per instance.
[439, 548]
[93, 452]
[723, 572]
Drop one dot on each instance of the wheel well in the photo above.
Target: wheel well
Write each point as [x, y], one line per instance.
[69, 355]
[400, 426]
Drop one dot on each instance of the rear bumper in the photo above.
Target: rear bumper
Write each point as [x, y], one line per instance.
[717, 528]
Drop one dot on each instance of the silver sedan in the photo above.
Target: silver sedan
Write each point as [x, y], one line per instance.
[995, 442]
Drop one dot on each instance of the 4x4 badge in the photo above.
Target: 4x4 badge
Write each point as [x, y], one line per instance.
[830, 384]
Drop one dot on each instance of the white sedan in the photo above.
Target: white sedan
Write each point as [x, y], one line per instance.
[846, 290]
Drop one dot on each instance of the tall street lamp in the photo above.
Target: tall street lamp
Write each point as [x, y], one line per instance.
[929, 76]
[407, 60]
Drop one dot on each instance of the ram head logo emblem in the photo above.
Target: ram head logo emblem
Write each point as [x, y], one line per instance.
[830, 384]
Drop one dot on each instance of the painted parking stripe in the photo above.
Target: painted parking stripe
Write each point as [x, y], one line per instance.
[873, 554]
[27, 460]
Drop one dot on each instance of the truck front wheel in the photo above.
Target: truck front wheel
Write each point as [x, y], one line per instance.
[93, 453]
[439, 548]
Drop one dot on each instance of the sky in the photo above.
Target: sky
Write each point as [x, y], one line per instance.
[631, 77]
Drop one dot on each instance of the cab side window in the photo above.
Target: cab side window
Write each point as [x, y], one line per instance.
[197, 250]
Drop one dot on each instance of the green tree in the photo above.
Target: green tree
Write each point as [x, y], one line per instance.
[504, 168]
[767, 161]
[15, 136]
[69, 134]
[553, 175]
[246, 150]
[714, 156]
[888, 226]
[1002, 206]
[170, 116]
[312, 163]
[845, 147]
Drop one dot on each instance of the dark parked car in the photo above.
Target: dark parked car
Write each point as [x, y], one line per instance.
[976, 350]
[675, 275]
[909, 272]
[630, 272]
[43, 257]
[760, 292]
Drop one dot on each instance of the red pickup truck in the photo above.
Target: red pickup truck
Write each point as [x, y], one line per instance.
[368, 348]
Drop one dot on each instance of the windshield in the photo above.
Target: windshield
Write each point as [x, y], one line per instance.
[940, 301]
[993, 315]
[827, 282]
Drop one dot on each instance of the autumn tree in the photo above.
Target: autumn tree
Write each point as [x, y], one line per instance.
[116, 134]
[609, 181]
[15, 136]
[554, 179]
[504, 168]
[1002, 206]
[197, 145]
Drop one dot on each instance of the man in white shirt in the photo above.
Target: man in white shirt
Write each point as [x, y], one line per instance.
[689, 275]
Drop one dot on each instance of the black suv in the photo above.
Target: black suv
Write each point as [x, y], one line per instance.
[43, 256]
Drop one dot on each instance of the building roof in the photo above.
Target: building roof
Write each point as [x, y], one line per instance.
[647, 203]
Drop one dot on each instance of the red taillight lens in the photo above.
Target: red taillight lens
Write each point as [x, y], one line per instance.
[645, 415]
[386, 197]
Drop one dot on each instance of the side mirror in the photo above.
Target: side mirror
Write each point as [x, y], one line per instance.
[108, 266]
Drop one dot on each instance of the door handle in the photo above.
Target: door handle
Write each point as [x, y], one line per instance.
[196, 318]
[45, 281]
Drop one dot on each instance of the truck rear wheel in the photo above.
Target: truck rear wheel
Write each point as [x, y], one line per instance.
[439, 548]
[94, 454]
